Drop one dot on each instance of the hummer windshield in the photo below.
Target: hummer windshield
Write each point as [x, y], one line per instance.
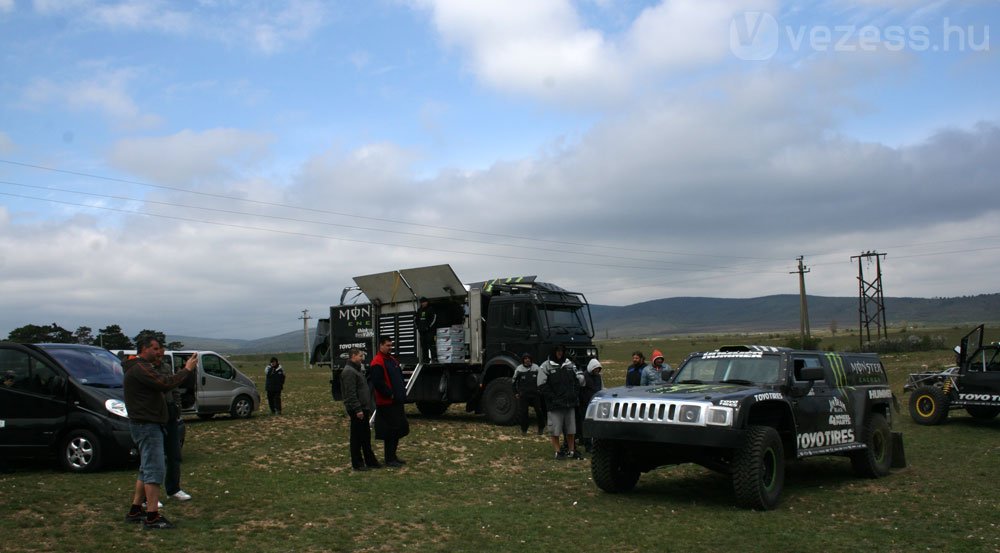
[90, 366]
[731, 368]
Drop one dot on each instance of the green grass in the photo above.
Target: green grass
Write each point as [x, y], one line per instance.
[285, 484]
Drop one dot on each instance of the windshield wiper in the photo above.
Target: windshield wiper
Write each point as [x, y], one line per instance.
[691, 381]
[737, 381]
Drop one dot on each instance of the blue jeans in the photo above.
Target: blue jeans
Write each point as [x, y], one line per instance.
[149, 437]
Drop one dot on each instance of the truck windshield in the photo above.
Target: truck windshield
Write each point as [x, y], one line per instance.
[731, 369]
[564, 319]
[91, 366]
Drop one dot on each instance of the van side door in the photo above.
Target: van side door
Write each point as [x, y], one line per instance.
[33, 406]
[215, 390]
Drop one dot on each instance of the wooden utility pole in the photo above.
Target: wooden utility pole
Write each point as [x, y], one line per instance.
[804, 331]
[305, 338]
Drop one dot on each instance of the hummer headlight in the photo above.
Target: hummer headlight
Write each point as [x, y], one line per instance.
[689, 414]
[719, 416]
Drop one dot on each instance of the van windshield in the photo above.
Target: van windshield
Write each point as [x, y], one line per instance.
[90, 366]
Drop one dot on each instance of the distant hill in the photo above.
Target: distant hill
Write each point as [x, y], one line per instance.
[778, 313]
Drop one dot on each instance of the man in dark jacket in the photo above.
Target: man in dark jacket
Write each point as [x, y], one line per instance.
[560, 381]
[526, 393]
[426, 323]
[147, 414]
[391, 425]
[633, 376]
[274, 382]
[359, 406]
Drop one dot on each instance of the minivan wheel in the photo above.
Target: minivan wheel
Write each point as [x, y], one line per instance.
[242, 407]
[80, 451]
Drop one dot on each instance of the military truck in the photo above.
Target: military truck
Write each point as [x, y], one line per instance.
[973, 384]
[490, 324]
[746, 411]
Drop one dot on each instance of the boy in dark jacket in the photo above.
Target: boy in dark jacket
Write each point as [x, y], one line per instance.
[274, 382]
[560, 381]
[526, 393]
[359, 406]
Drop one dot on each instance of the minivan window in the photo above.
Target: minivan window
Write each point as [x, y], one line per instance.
[20, 373]
[215, 366]
[94, 367]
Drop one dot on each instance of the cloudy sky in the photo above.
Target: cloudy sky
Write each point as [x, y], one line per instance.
[212, 168]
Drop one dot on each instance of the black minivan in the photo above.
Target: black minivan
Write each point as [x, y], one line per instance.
[66, 400]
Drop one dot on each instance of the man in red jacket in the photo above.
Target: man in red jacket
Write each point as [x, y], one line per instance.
[390, 399]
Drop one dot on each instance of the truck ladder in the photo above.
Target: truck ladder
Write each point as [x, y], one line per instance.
[409, 386]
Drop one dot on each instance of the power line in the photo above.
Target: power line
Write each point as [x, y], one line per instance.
[341, 214]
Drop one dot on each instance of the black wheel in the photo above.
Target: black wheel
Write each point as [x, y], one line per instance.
[610, 469]
[498, 402]
[242, 407]
[80, 451]
[759, 469]
[928, 405]
[982, 412]
[205, 416]
[432, 408]
[876, 460]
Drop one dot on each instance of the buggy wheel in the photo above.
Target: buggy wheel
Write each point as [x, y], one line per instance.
[875, 460]
[759, 469]
[928, 405]
[610, 468]
[982, 412]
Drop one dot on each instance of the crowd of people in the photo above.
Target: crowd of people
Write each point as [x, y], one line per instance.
[374, 397]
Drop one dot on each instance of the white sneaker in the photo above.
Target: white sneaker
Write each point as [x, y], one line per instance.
[181, 495]
[159, 504]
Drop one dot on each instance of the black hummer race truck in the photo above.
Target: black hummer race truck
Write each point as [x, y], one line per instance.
[974, 384]
[745, 411]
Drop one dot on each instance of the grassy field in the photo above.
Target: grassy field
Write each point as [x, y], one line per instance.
[285, 484]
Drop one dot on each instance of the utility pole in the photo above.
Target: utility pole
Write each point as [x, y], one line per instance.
[305, 338]
[804, 331]
[870, 293]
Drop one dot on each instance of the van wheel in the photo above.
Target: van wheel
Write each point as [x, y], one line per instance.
[80, 451]
[498, 401]
[928, 405]
[876, 459]
[759, 469]
[242, 407]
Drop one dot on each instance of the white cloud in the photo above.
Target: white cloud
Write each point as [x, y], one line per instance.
[6, 144]
[106, 92]
[7, 6]
[190, 157]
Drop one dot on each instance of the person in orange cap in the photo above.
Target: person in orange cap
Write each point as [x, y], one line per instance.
[656, 373]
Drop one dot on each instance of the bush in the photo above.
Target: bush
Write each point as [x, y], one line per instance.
[810, 343]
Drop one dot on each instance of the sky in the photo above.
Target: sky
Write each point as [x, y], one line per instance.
[213, 168]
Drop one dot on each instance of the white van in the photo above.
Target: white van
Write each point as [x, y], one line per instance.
[216, 387]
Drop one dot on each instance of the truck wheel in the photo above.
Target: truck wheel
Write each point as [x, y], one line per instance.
[759, 469]
[80, 451]
[432, 408]
[982, 412]
[498, 402]
[610, 469]
[242, 407]
[876, 460]
[928, 405]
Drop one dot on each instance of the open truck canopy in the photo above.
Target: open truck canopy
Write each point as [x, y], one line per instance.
[408, 285]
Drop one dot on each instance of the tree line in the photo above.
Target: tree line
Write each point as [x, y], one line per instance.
[110, 337]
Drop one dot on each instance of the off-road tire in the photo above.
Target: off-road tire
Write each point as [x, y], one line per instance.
[80, 450]
[242, 407]
[499, 403]
[928, 405]
[982, 412]
[432, 408]
[876, 460]
[609, 467]
[759, 469]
